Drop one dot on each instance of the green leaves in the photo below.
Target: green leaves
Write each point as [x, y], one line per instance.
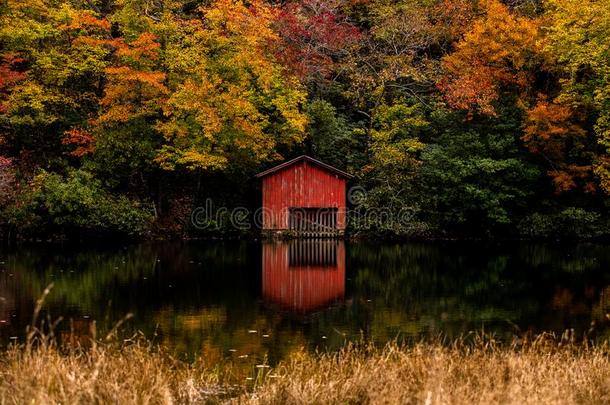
[332, 138]
[475, 180]
[77, 205]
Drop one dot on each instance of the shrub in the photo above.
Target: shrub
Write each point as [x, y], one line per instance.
[570, 222]
[76, 205]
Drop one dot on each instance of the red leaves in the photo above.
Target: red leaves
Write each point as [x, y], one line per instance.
[9, 76]
[5, 162]
[84, 141]
[314, 34]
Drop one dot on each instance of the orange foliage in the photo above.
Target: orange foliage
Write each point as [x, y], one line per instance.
[128, 92]
[125, 73]
[134, 88]
[84, 20]
[493, 55]
[547, 128]
[145, 46]
[565, 179]
[231, 98]
[550, 132]
[82, 138]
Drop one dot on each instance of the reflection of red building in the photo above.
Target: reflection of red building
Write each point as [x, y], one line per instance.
[304, 275]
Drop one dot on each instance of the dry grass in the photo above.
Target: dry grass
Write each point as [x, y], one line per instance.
[135, 374]
[541, 371]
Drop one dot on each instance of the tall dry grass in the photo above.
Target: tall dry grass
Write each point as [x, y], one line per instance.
[103, 370]
[134, 374]
[540, 372]
[543, 370]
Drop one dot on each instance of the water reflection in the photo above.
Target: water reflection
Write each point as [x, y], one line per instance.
[241, 299]
[303, 275]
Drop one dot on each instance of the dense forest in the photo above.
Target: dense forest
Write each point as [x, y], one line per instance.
[484, 118]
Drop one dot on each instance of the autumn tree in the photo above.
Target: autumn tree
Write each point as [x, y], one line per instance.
[231, 101]
[58, 83]
[88, 35]
[61, 54]
[134, 95]
[551, 131]
[315, 37]
[498, 54]
[503, 56]
[577, 38]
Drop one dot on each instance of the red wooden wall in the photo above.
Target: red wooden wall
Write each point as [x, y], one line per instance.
[302, 185]
[301, 289]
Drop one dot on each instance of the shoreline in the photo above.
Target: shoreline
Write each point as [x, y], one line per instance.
[109, 241]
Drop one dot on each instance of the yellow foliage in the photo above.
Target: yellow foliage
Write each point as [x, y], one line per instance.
[226, 87]
[495, 52]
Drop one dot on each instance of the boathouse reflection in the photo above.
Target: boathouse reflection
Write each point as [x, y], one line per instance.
[303, 275]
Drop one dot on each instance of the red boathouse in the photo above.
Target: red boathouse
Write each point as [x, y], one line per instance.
[304, 196]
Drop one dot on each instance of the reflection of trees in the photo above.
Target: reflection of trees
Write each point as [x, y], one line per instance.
[81, 279]
[193, 296]
[581, 257]
[205, 297]
[86, 279]
[457, 287]
[13, 303]
[601, 311]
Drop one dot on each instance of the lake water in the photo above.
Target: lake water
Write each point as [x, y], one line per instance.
[256, 301]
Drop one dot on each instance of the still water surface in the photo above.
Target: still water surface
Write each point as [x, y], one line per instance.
[255, 301]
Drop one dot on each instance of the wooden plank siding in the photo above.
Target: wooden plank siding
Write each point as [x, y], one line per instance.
[302, 185]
